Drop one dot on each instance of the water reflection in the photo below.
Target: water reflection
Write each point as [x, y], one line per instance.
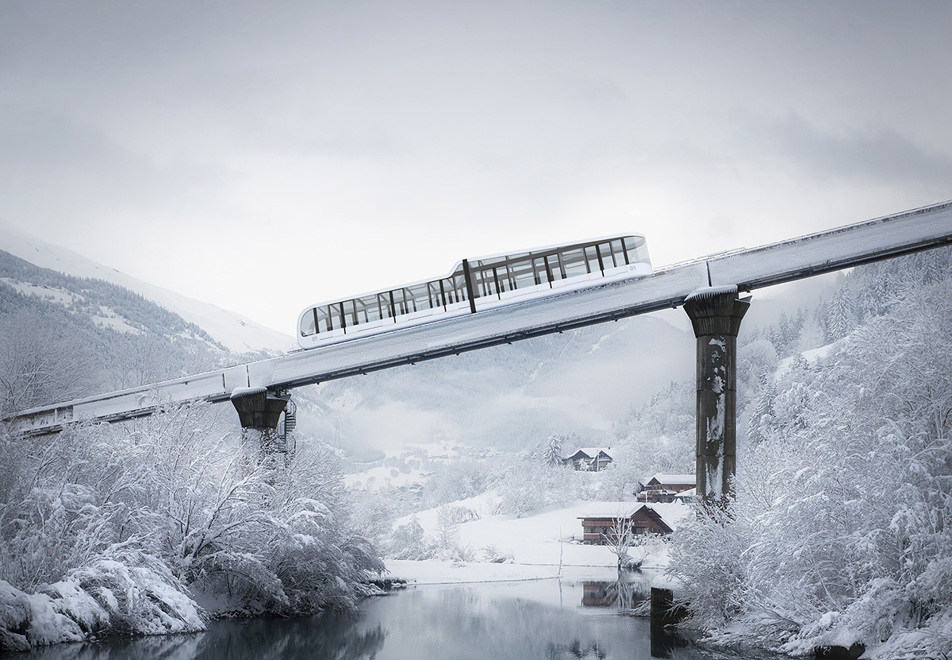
[501, 621]
[626, 593]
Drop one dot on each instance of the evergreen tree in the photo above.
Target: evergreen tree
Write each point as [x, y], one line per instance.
[842, 317]
[553, 450]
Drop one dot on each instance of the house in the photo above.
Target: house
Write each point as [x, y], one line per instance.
[590, 459]
[643, 520]
[662, 488]
[686, 496]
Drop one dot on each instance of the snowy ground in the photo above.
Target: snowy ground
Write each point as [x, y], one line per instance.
[543, 545]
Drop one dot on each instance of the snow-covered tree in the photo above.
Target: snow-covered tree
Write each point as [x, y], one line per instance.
[410, 542]
[842, 527]
[658, 437]
[175, 506]
[527, 485]
[554, 450]
[841, 315]
[39, 364]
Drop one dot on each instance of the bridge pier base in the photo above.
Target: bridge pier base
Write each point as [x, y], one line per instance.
[259, 412]
[716, 313]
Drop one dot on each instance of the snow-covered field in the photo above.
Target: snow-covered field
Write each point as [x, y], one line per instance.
[544, 545]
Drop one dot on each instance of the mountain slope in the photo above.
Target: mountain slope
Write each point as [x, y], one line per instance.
[236, 333]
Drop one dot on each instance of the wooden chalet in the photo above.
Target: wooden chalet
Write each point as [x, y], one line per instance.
[589, 459]
[664, 488]
[643, 520]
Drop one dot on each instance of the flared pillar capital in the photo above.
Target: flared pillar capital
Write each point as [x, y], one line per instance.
[716, 311]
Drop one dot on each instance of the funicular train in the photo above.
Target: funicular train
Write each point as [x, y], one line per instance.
[479, 283]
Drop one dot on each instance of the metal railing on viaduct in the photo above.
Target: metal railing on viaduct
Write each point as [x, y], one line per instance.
[707, 287]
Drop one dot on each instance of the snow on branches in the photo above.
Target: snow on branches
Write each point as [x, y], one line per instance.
[842, 527]
[151, 526]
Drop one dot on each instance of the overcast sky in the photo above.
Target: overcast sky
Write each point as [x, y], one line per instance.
[262, 156]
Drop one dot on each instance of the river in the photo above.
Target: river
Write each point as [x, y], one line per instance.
[544, 619]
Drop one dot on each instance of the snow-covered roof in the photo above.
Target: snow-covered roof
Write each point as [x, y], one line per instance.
[591, 452]
[613, 510]
[673, 478]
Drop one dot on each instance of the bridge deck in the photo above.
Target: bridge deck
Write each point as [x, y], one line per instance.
[749, 269]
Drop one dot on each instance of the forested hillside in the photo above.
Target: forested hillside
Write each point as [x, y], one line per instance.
[63, 337]
[842, 528]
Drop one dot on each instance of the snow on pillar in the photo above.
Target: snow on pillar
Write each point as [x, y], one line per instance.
[716, 313]
[259, 412]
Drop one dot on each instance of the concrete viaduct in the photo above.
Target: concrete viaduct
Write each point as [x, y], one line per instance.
[709, 289]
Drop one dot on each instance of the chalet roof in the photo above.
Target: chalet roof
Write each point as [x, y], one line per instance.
[589, 452]
[662, 478]
[613, 511]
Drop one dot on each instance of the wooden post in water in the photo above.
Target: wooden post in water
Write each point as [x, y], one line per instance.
[716, 313]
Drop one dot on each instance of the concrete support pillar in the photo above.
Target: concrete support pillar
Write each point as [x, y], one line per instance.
[716, 313]
[259, 412]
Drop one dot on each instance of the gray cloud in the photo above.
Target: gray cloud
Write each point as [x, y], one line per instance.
[58, 167]
[424, 130]
[877, 155]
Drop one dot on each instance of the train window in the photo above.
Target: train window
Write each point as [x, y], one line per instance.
[605, 253]
[553, 268]
[574, 263]
[450, 295]
[499, 279]
[479, 284]
[399, 302]
[328, 318]
[349, 311]
[383, 304]
[618, 252]
[510, 280]
[459, 285]
[539, 270]
[592, 259]
[433, 294]
[309, 323]
[405, 302]
[368, 309]
[522, 274]
[418, 297]
[488, 281]
[334, 320]
[637, 251]
[555, 265]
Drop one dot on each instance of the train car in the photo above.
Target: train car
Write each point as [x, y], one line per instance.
[476, 284]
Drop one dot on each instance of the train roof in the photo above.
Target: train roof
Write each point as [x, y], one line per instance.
[488, 257]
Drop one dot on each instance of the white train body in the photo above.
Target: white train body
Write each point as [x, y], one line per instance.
[495, 280]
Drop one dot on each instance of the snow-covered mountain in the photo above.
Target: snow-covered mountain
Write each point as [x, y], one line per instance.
[236, 333]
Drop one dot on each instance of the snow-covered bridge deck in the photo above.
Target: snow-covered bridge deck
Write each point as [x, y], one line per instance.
[748, 269]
